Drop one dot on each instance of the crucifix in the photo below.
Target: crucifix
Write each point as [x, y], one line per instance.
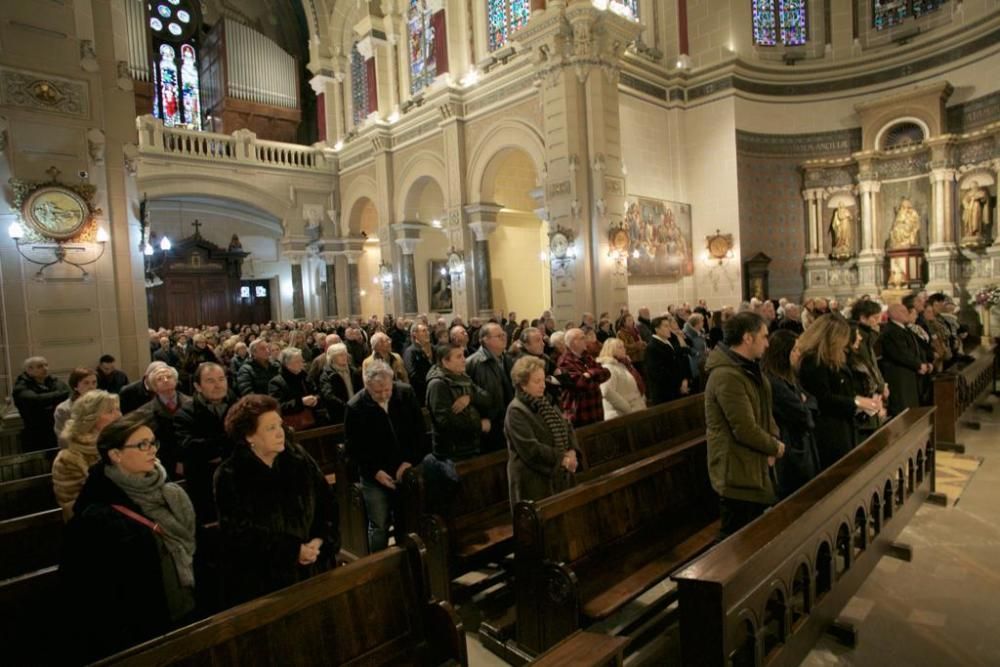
[196, 225]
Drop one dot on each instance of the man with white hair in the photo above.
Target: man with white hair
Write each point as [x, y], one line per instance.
[382, 351]
[384, 432]
[582, 401]
[255, 375]
[136, 394]
[36, 395]
[489, 367]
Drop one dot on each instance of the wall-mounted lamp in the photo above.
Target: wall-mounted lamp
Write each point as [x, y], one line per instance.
[384, 276]
[456, 264]
[61, 251]
[619, 243]
[562, 250]
[718, 248]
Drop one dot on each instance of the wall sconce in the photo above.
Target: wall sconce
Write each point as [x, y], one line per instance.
[619, 243]
[718, 248]
[562, 251]
[60, 250]
[456, 264]
[384, 276]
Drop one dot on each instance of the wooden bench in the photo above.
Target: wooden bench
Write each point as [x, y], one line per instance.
[375, 611]
[584, 649]
[958, 389]
[29, 464]
[30, 543]
[29, 495]
[479, 527]
[585, 553]
[28, 607]
[766, 594]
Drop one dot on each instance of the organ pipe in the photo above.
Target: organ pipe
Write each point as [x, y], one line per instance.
[258, 69]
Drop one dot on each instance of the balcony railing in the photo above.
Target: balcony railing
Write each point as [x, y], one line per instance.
[240, 147]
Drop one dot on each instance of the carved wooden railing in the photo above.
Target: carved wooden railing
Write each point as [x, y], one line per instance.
[765, 595]
[958, 389]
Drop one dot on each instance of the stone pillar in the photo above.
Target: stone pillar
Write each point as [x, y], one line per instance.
[814, 202]
[482, 221]
[943, 255]
[457, 31]
[298, 297]
[871, 269]
[353, 283]
[407, 238]
[373, 43]
[330, 260]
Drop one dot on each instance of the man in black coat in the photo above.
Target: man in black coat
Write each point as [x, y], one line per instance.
[254, 376]
[384, 432]
[418, 358]
[136, 394]
[489, 367]
[109, 378]
[533, 344]
[667, 367]
[36, 395]
[167, 354]
[902, 363]
[201, 436]
[644, 325]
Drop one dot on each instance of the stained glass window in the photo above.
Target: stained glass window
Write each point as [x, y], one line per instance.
[503, 18]
[423, 54]
[779, 22]
[359, 86]
[888, 13]
[177, 98]
[629, 8]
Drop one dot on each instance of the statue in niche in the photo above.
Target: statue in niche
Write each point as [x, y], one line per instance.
[905, 231]
[234, 243]
[975, 213]
[842, 232]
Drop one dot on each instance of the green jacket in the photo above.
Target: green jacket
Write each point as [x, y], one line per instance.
[740, 429]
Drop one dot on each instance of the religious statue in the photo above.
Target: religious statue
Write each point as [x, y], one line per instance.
[905, 232]
[975, 213]
[234, 243]
[842, 232]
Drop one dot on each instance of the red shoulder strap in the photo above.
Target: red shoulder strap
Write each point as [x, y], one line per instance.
[138, 518]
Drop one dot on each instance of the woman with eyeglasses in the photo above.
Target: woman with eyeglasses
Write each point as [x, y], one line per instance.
[128, 562]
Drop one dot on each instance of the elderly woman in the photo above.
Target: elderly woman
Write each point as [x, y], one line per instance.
[541, 443]
[277, 514]
[694, 331]
[623, 392]
[293, 391]
[91, 413]
[161, 410]
[128, 556]
[81, 380]
[339, 382]
[635, 346]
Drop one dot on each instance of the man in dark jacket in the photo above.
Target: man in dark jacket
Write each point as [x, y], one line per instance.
[903, 363]
[384, 432]
[109, 378]
[256, 374]
[533, 344]
[167, 354]
[454, 401]
[136, 394]
[667, 367]
[740, 428]
[489, 367]
[418, 358]
[36, 395]
[581, 402]
[644, 325]
[201, 436]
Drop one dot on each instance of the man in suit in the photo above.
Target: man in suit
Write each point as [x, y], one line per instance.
[903, 364]
[665, 377]
[489, 367]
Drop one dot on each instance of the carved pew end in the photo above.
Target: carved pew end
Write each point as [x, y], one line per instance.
[936, 498]
[844, 633]
[900, 551]
[944, 446]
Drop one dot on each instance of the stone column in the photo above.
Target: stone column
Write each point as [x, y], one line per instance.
[814, 203]
[482, 221]
[353, 283]
[329, 258]
[407, 238]
[870, 259]
[817, 263]
[298, 297]
[373, 43]
[943, 254]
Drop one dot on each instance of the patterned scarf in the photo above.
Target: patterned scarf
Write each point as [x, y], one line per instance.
[164, 503]
[554, 421]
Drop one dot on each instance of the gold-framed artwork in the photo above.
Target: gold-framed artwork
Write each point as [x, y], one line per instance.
[55, 211]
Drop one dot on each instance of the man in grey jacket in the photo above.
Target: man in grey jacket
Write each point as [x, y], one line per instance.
[489, 367]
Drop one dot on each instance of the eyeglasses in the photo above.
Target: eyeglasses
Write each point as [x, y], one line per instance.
[144, 445]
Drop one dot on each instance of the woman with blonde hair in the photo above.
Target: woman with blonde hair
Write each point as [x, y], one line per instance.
[825, 374]
[90, 414]
[623, 391]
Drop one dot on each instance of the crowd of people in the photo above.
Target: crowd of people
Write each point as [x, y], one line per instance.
[203, 435]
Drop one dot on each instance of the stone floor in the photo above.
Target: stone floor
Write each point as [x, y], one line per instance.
[939, 610]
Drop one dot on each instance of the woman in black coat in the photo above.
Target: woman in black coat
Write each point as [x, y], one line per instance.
[297, 398]
[825, 374]
[795, 413]
[338, 382]
[127, 569]
[276, 512]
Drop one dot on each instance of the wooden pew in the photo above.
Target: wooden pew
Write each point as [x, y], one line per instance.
[583, 554]
[30, 543]
[584, 649]
[479, 526]
[766, 594]
[375, 611]
[29, 605]
[29, 495]
[19, 466]
[958, 389]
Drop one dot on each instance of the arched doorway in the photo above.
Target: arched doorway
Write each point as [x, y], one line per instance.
[521, 279]
[364, 221]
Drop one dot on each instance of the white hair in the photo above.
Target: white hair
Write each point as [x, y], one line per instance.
[377, 369]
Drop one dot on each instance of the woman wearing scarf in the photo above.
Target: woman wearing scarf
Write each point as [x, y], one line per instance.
[541, 443]
[454, 403]
[127, 567]
[623, 391]
[91, 413]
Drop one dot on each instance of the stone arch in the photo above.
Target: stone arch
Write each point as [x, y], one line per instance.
[362, 187]
[421, 170]
[774, 619]
[506, 134]
[917, 119]
[213, 185]
[800, 600]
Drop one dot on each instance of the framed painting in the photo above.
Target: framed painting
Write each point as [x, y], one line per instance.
[660, 238]
[439, 285]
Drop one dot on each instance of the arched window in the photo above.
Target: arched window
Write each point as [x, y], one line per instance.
[887, 13]
[777, 22]
[362, 95]
[428, 44]
[174, 27]
[503, 18]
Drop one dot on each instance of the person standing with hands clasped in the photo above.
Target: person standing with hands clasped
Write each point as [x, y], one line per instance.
[741, 431]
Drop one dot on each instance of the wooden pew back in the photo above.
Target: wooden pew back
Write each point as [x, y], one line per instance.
[29, 543]
[374, 611]
[956, 390]
[766, 594]
[30, 464]
[28, 495]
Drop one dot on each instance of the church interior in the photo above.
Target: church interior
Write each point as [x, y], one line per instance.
[172, 166]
